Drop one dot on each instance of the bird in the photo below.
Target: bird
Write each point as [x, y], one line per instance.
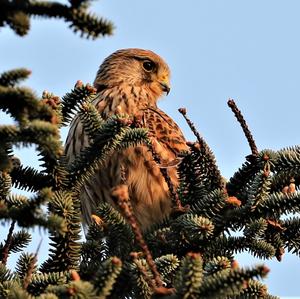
[132, 81]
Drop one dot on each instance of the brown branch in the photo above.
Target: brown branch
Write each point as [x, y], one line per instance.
[192, 126]
[31, 267]
[241, 120]
[143, 271]
[5, 251]
[121, 196]
[176, 203]
[207, 152]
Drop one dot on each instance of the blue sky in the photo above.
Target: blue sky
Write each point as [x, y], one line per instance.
[245, 50]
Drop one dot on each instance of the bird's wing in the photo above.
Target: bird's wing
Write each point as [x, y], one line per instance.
[165, 131]
[98, 188]
[77, 139]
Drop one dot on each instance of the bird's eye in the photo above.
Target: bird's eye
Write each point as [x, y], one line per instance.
[148, 65]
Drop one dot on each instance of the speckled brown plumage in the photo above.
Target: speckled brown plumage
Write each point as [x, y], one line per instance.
[131, 81]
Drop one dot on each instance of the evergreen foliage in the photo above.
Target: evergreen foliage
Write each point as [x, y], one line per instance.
[188, 255]
[16, 14]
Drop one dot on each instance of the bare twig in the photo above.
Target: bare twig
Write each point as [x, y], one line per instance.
[206, 151]
[176, 203]
[31, 267]
[5, 251]
[241, 120]
[143, 271]
[192, 127]
[120, 193]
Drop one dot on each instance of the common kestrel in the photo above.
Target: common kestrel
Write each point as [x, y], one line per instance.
[131, 81]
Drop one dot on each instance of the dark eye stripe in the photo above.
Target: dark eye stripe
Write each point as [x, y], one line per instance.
[148, 64]
[141, 58]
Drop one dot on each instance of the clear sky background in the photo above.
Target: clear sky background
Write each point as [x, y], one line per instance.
[216, 49]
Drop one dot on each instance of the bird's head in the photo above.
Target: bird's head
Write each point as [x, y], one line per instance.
[134, 67]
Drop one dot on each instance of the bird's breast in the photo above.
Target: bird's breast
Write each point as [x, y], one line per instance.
[148, 189]
[123, 99]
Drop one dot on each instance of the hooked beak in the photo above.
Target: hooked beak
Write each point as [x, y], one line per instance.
[165, 87]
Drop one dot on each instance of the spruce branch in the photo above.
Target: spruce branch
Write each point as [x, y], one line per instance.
[65, 245]
[223, 284]
[119, 236]
[40, 281]
[78, 3]
[27, 212]
[287, 165]
[256, 229]
[210, 205]
[93, 253]
[41, 133]
[255, 289]
[71, 101]
[5, 184]
[26, 266]
[278, 203]
[13, 77]
[144, 278]
[216, 264]
[239, 182]
[244, 126]
[228, 245]
[177, 207]
[194, 175]
[7, 245]
[159, 237]
[264, 162]
[106, 276]
[91, 119]
[18, 21]
[89, 25]
[18, 241]
[113, 135]
[192, 229]
[92, 157]
[73, 289]
[167, 266]
[5, 275]
[259, 190]
[30, 179]
[16, 14]
[291, 234]
[32, 266]
[120, 194]
[207, 154]
[23, 105]
[189, 276]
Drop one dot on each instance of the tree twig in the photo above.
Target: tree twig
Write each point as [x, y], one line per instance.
[142, 269]
[31, 267]
[176, 203]
[5, 251]
[121, 196]
[241, 120]
[206, 151]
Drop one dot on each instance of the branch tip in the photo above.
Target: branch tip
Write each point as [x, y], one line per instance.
[242, 122]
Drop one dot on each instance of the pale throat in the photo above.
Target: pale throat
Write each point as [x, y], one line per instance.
[127, 99]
